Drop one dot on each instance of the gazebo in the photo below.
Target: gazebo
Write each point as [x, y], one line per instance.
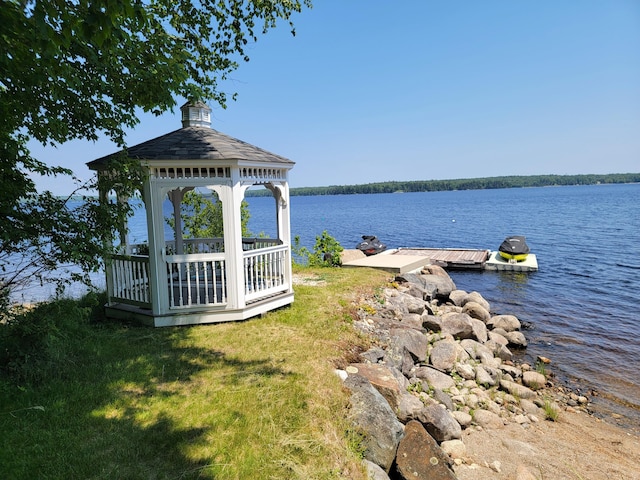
[183, 281]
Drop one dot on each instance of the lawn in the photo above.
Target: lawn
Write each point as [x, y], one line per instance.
[247, 400]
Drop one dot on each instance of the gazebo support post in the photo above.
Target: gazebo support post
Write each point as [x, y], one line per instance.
[153, 197]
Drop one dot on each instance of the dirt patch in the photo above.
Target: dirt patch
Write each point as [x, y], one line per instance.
[575, 447]
[308, 279]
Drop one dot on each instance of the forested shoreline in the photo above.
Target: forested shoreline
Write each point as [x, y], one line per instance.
[462, 184]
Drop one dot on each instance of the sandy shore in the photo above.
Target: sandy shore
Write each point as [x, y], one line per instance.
[577, 446]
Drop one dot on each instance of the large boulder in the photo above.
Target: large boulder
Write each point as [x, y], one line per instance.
[457, 297]
[382, 378]
[372, 416]
[413, 340]
[432, 285]
[508, 323]
[517, 390]
[374, 472]
[480, 332]
[487, 419]
[444, 355]
[516, 339]
[477, 298]
[476, 350]
[534, 380]
[431, 323]
[398, 357]
[458, 325]
[420, 457]
[434, 378]
[408, 407]
[475, 310]
[439, 423]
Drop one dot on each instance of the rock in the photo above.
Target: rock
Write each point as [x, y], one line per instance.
[466, 371]
[475, 310]
[476, 350]
[483, 377]
[529, 407]
[523, 473]
[496, 337]
[443, 355]
[457, 325]
[477, 298]
[420, 457]
[342, 375]
[517, 390]
[443, 398]
[439, 423]
[433, 285]
[408, 407]
[399, 358]
[457, 297]
[412, 320]
[533, 380]
[516, 339]
[515, 372]
[374, 472]
[479, 330]
[463, 418]
[435, 270]
[487, 419]
[432, 323]
[544, 360]
[508, 323]
[370, 413]
[373, 355]
[414, 341]
[443, 285]
[454, 448]
[434, 378]
[405, 303]
[383, 379]
[500, 351]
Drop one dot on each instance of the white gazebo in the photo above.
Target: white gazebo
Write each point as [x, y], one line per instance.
[181, 281]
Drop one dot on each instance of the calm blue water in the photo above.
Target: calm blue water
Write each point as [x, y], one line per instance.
[583, 303]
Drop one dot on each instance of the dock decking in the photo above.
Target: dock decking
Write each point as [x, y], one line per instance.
[450, 257]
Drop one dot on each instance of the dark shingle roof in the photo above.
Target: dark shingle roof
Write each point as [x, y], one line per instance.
[196, 143]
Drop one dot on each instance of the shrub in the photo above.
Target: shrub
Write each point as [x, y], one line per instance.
[35, 342]
[326, 251]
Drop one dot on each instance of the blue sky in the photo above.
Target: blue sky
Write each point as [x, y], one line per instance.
[372, 90]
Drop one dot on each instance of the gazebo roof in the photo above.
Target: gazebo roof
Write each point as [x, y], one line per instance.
[196, 143]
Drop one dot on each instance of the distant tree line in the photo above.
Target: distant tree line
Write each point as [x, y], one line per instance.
[462, 184]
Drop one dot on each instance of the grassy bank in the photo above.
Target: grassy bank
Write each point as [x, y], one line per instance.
[249, 400]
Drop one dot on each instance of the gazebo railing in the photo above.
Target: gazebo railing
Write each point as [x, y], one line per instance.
[216, 245]
[201, 279]
[196, 280]
[129, 278]
[265, 272]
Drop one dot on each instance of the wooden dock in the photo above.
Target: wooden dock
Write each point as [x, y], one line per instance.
[407, 259]
[454, 258]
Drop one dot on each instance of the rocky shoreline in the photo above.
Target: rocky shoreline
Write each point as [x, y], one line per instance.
[441, 363]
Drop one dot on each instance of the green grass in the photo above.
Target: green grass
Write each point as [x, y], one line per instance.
[247, 400]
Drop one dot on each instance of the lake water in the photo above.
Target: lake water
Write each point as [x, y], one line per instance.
[583, 304]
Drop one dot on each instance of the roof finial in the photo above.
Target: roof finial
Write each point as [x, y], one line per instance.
[195, 114]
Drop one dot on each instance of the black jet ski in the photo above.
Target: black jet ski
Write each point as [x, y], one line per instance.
[370, 245]
[514, 248]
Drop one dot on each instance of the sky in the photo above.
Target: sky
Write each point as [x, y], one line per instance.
[373, 91]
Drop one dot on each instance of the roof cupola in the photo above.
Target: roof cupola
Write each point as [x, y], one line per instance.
[196, 114]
